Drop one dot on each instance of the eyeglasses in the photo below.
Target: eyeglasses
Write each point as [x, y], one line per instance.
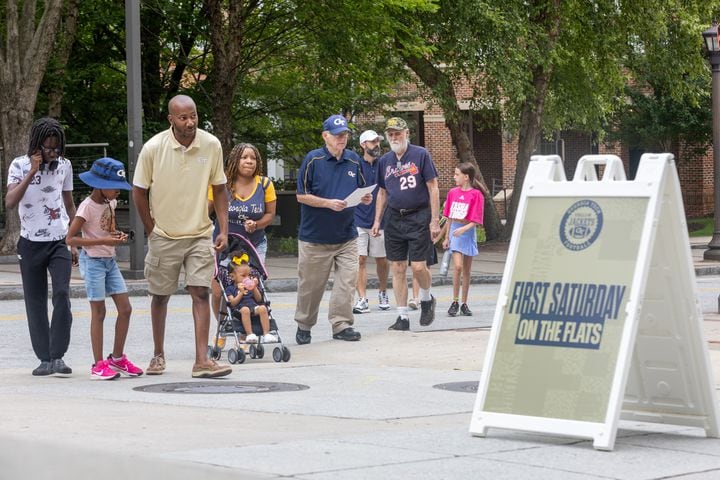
[45, 149]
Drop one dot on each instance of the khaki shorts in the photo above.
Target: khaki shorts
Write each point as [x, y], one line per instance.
[166, 257]
[369, 246]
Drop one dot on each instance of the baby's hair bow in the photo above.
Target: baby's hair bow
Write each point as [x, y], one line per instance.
[241, 259]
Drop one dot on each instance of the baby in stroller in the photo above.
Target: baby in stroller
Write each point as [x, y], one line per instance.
[243, 295]
[244, 313]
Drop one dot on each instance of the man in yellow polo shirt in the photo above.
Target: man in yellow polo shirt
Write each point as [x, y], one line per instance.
[170, 185]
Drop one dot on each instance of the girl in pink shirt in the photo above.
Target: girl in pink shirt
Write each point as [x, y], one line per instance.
[95, 218]
[464, 209]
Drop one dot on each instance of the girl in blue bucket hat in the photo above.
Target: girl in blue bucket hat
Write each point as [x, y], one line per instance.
[95, 219]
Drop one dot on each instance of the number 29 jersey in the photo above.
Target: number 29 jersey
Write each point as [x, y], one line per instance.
[405, 181]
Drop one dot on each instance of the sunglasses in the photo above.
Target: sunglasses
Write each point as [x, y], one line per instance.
[45, 149]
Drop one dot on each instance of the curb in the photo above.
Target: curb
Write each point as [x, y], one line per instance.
[138, 288]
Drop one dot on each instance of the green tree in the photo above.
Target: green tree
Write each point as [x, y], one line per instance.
[669, 98]
[548, 65]
[579, 57]
[461, 40]
[28, 37]
[277, 64]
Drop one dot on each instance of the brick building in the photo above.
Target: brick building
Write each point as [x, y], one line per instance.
[496, 150]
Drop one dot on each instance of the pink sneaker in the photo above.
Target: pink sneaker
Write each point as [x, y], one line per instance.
[124, 366]
[101, 371]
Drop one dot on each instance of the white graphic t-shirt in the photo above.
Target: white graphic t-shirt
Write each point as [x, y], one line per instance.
[42, 212]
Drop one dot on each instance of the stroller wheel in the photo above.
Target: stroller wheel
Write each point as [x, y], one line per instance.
[259, 351]
[232, 356]
[253, 351]
[277, 354]
[285, 354]
[241, 355]
[214, 353]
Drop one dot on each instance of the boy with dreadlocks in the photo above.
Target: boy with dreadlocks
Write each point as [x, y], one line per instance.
[40, 183]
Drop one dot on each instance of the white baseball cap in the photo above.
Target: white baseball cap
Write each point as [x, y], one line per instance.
[369, 135]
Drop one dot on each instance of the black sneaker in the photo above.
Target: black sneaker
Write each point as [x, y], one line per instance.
[427, 311]
[43, 370]
[454, 307]
[302, 337]
[59, 368]
[465, 310]
[349, 335]
[402, 324]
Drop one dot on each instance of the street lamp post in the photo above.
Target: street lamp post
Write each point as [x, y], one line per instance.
[713, 47]
[135, 139]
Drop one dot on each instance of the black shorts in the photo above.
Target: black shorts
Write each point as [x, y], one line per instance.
[407, 236]
[432, 259]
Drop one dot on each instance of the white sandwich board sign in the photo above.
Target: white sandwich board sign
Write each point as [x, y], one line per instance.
[598, 316]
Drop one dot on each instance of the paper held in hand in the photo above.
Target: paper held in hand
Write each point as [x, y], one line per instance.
[354, 198]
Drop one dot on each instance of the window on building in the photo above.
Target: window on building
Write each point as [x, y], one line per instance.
[416, 124]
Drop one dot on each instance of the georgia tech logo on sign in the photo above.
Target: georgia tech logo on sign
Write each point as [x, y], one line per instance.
[580, 225]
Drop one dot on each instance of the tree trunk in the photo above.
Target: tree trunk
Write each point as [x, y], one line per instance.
[15, 126]
[528, 138]
[227, 35]
[67, 39]
[444, 91]
[22, 67]
[533, 109]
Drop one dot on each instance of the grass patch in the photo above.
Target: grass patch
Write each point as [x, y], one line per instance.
[279, 246]
[701, 227]
[480, 234]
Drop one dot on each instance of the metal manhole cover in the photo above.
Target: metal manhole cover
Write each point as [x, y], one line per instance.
[466, 387]
[221, 387]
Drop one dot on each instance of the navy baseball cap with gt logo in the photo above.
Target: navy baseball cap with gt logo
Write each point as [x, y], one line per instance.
[336, 124]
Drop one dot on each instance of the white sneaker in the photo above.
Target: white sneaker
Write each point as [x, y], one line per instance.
[383, 301]
[252, 338]
[413, 304]
[269, 338]
[361, 306]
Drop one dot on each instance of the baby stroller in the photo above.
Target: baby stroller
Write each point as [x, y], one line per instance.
[229, 324]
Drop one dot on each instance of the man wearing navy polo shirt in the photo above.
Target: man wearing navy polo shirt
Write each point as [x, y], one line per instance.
[407, 184]
[328, 238]
[369, 246]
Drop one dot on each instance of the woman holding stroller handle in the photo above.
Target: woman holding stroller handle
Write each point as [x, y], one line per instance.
[252, 202]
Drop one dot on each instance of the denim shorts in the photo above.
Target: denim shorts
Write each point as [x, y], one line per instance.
[102, 277]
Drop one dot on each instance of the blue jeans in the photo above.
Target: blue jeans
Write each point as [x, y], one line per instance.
[102, 277]
[262, 248]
